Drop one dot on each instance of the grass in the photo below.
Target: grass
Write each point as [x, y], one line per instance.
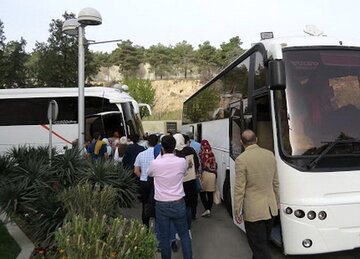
[8, 247]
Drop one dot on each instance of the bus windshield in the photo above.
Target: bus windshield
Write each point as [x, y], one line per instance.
[319, 112]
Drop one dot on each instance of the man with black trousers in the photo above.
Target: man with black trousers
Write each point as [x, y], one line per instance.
[256, 194]
[141, 165]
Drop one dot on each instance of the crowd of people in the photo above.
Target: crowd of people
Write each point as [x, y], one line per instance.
[173, 170]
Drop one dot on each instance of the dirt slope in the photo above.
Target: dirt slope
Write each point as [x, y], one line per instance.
[170, 94]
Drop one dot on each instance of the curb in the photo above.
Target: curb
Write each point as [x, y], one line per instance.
[27, 247]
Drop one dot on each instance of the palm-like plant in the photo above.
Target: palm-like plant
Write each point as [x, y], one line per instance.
[49, 216]
[127, 186]
[30, 186]
[16, 198]
[69, 166]
[7, 167]
[34, 173]
[24, 152]
[105, 172]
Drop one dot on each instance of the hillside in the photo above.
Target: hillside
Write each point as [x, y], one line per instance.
[170, 94]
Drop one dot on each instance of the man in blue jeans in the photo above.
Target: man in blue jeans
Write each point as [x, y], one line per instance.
[168, 171]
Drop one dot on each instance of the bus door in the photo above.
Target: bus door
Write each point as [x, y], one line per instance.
[264, 131]
[238, 122]
[105, 123]
[262, 121]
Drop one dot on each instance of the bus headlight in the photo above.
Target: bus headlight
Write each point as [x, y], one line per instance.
[307, 243]
[311, 215]
[322, 215]
[299, 213]
[288, 210]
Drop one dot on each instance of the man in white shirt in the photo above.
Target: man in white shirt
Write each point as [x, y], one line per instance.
[141, 165]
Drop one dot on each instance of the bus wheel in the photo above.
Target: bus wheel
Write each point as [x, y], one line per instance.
[227, 193]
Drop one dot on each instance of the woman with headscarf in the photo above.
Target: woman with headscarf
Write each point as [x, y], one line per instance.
[108, 147]
[189, 183]
[120, 148]
[208, 177]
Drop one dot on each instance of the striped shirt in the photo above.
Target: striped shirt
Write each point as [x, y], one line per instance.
[143, 160]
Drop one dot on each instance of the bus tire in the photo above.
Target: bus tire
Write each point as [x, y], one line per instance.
[227, 193]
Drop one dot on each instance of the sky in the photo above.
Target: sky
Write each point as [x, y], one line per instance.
[149, 22]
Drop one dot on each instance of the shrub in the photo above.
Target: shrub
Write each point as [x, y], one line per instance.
[89, 200]
[30, 188]
[7, 167]
[69, 166]
[103, 237]
[25, 152]
[105, 172]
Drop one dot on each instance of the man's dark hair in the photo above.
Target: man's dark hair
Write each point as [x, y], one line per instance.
[186, 138]
[168, 143]
[152, 140]
[97, 135]
[135, 138]
[248, 137]
[190, 134]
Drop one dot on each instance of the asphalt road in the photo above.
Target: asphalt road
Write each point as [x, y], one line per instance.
[217, 237]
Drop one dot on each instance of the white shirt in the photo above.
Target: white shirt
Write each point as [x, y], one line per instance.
[143, 160]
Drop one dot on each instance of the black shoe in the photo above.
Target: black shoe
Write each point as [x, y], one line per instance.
[174, 246]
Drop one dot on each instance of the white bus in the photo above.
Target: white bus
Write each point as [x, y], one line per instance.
[24, 121]
[301, 96]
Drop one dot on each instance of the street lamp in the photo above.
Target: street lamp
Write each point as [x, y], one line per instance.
[87, 16]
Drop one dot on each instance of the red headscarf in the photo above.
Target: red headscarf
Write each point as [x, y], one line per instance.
[207, 157]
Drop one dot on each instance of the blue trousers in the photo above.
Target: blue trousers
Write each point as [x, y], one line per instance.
[172, 211]
[172, 231]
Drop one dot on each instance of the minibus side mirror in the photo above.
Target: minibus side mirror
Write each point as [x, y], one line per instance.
[277, 79]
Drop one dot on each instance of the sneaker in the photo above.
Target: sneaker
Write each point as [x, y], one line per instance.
[177, 236]
[190, 234]
[174, 246]
[206, 213]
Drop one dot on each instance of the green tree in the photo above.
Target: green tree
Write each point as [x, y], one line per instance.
[142, 91]
[2, 61]
[128, 58]
[184, 56]
[206, 60]
[14, 58]
[102, 58]
[159, 57]
[56, 61]
[2, 46]
[12, 61]
[230, 51]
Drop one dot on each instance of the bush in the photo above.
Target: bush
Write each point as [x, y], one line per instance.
[106, 172]
[69, 166]
[30, 188]
[103, 237]
[89, 200]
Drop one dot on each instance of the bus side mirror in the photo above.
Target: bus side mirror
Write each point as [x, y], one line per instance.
[277, 78]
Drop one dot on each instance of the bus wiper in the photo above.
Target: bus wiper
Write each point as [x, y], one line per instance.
[314, 162]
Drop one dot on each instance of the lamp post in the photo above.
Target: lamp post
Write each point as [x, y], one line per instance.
[87, 16]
